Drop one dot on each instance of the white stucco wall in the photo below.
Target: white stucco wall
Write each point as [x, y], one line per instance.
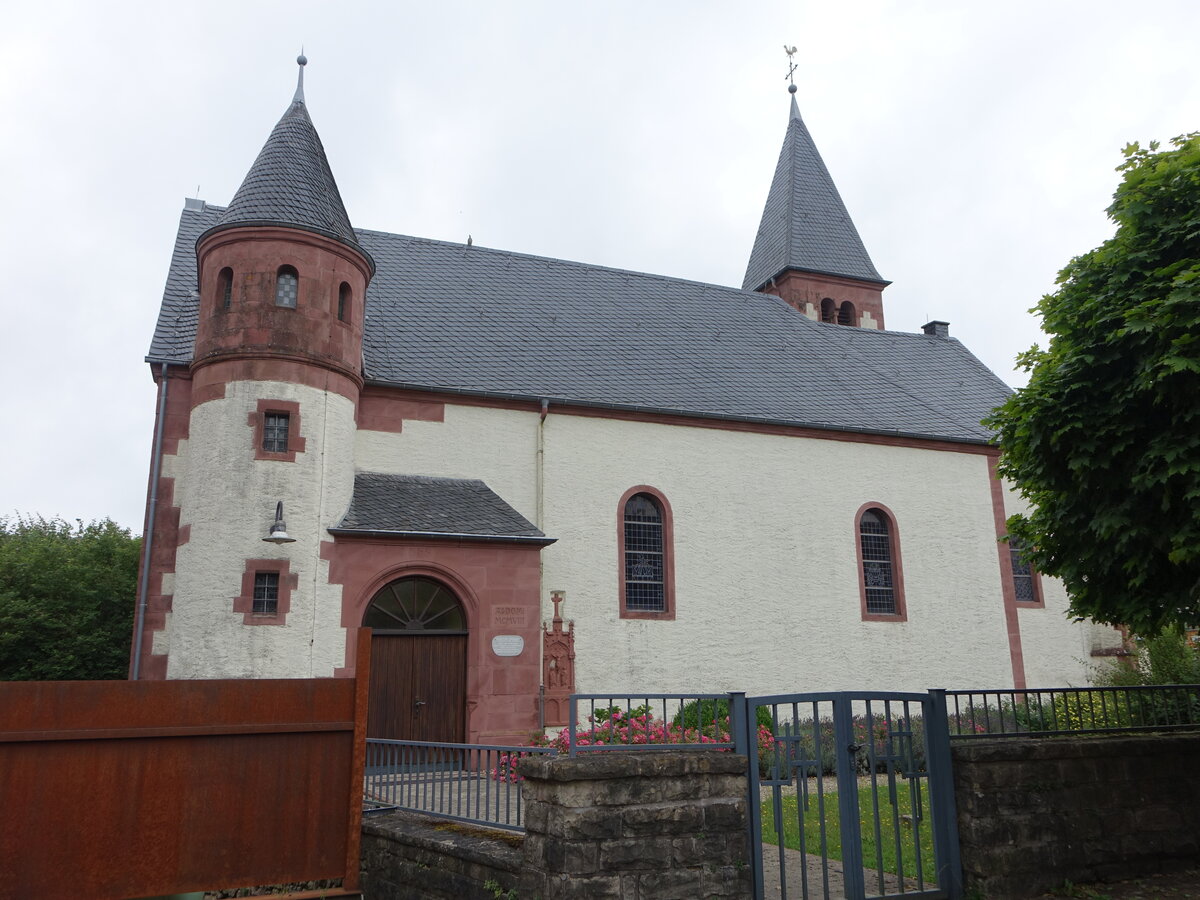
[765, 555]
[228, 498]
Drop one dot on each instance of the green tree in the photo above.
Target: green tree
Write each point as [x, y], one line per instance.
[1104, 442]
[67, 595]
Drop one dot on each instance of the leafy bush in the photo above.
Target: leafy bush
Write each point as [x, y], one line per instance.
[897, 743]
[605, 713]
[705, 714]
[1084, 711]
[1165, 658]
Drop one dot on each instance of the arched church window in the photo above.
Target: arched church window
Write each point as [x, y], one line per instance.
[344, 296]
[225, 288]
[880, 576]
[645, 545]
[416, 604]
[828, 310]
[287, 287]
[846, 313]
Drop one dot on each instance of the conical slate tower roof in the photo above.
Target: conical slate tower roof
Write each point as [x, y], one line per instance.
[290, 183]
[805, 224]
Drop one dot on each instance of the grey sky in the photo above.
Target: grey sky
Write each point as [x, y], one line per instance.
[973, 144]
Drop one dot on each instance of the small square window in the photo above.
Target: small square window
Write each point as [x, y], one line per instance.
[275, 432]
[266, 594]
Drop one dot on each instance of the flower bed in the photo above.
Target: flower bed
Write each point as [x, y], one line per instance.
[640, 728]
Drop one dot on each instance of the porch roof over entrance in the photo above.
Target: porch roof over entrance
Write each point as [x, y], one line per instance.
[428, 507]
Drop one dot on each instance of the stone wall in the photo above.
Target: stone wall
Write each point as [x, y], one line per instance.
[668, 825]
[411, 857]
[642, 825]
[1033, 814]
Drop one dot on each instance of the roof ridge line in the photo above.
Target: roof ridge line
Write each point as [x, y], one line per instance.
[476, 248]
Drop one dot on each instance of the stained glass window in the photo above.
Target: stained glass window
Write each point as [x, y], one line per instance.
[644, 563]
[1022, 573]
[878, 576]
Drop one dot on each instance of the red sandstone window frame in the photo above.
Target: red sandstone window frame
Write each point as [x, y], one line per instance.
[901, 610]
[244, 602]
[345, 302]
[257, 421]
[668, 551]
[1035, 580]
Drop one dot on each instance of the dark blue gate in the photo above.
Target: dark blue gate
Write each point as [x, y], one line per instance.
[851, 795]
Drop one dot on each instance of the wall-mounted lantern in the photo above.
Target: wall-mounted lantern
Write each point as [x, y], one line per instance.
[278, 533]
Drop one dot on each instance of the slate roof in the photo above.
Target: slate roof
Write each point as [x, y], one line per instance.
[446, 507]
[290, 183]
[450, 318]
[804, 224]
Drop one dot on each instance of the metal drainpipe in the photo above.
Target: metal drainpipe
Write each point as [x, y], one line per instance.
[541, 457]
[148, 537]
[541, 475]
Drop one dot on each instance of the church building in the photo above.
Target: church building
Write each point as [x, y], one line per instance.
[530, 475]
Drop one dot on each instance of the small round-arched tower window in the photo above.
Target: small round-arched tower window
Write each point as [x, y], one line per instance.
[225, 288]
[828, 310]
[287, 286]
[344, 297]
[846, 313]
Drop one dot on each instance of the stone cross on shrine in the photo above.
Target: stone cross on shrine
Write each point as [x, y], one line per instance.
[558, 665]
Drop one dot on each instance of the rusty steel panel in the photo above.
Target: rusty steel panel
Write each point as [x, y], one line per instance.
[358, 766]
[129, 789]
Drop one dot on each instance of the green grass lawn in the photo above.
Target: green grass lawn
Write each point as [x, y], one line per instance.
[810, 825]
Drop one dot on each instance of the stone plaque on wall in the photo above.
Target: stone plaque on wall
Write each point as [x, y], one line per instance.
[508, 644]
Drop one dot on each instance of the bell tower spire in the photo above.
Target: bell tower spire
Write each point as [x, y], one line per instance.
[282, 274]
[807, 250]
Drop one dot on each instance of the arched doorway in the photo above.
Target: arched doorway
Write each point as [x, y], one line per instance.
[418, 662]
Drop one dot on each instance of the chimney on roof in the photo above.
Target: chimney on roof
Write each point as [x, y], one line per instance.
[937, 329]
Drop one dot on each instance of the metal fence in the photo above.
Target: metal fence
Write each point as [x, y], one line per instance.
[646, 721]
[474, 783]
[1051, 711]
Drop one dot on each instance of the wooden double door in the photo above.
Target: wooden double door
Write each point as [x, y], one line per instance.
[418, 687]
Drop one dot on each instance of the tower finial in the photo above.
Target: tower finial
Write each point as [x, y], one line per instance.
[791, 52]
[301, 61]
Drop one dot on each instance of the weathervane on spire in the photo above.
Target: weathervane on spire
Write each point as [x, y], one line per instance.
[791, 52]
